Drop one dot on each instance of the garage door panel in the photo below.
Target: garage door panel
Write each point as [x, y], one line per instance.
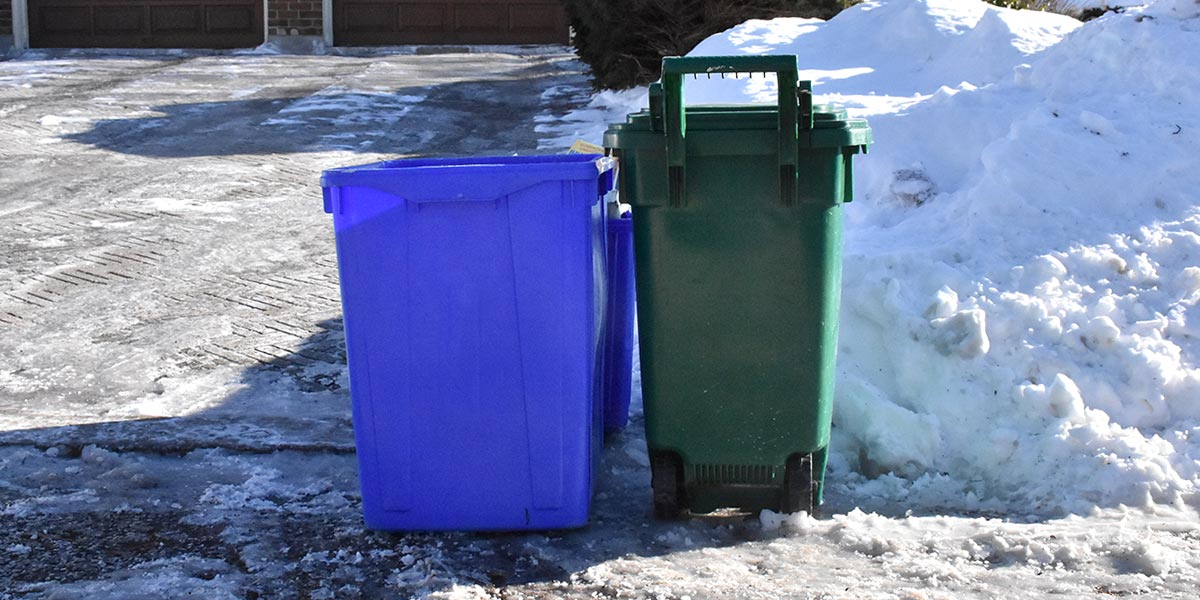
[176, 19]
[231, 19]
[371, 17]
[145, 23]
[423, 17]
[527, 17]
[475, 18]
[451, 22]
[65, 19]
[119, 20]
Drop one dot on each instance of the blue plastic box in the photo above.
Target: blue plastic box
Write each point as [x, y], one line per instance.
[473, 294]
[618, 347]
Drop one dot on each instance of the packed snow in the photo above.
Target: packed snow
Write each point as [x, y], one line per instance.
[1021, 271]
[1021, 261]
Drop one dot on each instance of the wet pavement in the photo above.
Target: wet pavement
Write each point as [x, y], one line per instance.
[174, 412]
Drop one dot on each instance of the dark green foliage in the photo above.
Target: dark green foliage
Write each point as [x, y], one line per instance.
[1062, 7]
[623, 41]
[1088, 14]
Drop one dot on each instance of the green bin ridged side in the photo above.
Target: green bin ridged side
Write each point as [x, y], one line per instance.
[738, 295]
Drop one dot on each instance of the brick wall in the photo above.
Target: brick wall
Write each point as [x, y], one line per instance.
[292, 17]
[5, 17]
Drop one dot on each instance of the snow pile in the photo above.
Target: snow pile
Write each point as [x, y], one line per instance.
[559, 132]
[879, 57]
[1022, 262]
[1180, 9]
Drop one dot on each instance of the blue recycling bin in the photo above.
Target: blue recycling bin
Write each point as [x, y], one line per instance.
[618, 348]
[473, 292]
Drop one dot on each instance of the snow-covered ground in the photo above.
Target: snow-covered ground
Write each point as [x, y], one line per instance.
[1017, 411]
[1022, 261]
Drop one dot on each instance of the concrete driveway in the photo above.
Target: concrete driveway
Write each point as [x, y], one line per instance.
[162, 219]
[174, 415]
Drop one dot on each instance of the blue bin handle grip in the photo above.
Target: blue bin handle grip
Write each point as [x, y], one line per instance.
[795, 111]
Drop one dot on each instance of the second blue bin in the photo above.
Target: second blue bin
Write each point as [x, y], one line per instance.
[618, 349]
[473, 292]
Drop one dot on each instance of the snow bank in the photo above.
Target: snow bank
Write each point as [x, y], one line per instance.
[880, 56]
[559, 132]
[1181, 9]
[1022, 263]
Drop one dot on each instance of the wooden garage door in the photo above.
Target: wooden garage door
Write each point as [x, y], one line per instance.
[145, 23]
[394, 22]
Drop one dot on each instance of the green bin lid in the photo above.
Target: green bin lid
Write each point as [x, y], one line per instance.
[831, 126]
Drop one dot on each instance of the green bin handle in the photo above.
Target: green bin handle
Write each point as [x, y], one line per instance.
[795, 111]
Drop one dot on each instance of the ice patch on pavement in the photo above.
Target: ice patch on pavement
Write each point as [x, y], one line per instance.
[352, 106]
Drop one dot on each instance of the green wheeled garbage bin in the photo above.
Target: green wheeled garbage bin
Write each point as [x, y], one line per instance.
[737, 214]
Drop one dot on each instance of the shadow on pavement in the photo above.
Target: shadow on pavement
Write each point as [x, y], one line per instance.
[261, 493]
[466, 117]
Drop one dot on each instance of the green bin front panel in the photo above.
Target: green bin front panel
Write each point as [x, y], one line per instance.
[738, 294]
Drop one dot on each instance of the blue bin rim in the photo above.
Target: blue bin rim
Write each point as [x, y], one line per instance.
[558, 166]
[482, 178]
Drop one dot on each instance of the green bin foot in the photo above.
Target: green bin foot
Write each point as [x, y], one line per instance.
[666, 480]
[799, 486]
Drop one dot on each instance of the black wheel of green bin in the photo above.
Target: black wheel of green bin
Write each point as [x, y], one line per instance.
[799, 488]
[666, 480]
